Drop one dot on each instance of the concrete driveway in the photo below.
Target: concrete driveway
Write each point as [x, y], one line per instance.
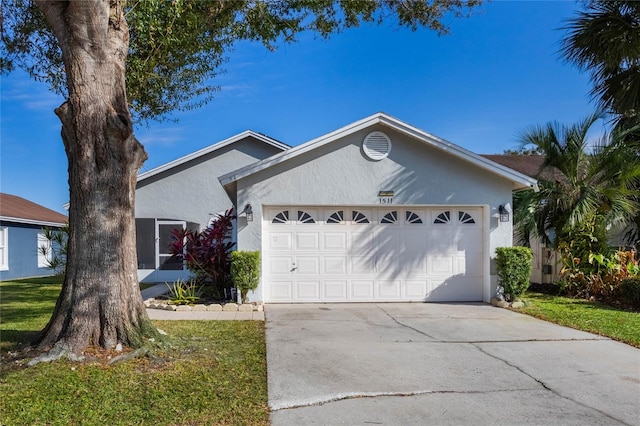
[442, 364]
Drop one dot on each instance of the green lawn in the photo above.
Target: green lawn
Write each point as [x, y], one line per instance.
[584, 315]
[212, 372]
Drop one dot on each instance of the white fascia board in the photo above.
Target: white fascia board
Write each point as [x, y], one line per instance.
[211, 148]
[520, 180]
[31, 221]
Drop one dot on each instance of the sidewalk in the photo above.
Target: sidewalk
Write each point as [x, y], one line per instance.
[155, 291]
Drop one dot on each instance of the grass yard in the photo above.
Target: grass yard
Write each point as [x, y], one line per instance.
[593, 317]
[211, 373]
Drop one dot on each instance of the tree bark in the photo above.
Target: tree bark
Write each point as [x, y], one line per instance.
[100, 302]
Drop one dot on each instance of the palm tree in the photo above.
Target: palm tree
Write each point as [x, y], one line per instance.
[605, 40]
[581, 188]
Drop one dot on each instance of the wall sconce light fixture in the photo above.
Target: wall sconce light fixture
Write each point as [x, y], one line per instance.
[248, 212]
[504, 213]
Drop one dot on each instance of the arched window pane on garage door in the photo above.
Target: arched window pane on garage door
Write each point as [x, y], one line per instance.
[464, 217]
[412, 217]
[444, 217]
[282, 217]
[336, 217]
[359, 217]
[391, 217]
[305, 217]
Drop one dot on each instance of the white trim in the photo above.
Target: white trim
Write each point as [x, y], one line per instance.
[44, 259]
[30, 221]
[519, 180]
[212, 148]
[4, 253]
[158, 223]
[486, 256]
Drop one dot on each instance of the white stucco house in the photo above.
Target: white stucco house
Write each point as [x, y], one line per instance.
[378, 210]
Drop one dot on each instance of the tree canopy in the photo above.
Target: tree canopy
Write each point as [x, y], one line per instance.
[604, 40]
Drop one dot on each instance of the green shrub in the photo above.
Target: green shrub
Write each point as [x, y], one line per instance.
[631, 291]
[514, 269]
[245, 271]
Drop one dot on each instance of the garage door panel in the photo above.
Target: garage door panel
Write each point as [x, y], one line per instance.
[414, 264]
[440, 265]
[307, 241]
[278, 265]
[414, 239]
[334, 241]
[307, 265]
[335, 265]
[439, 240]
[388, 289]
[335, 290]
[415, 289]
[389, 266]
[362, 290]
[281, 291]
[389, 240]
[361, 265]
[360, 241]
[468, 239]
[308, 290]
[279, 241]
[469, 264]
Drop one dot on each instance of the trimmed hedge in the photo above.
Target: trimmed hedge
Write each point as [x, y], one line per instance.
[514, 269]
[631, 291]
[245, 271]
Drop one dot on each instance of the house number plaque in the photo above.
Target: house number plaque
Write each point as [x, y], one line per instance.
[385, 197]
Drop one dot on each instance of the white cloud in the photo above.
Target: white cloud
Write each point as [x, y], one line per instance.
[160, 136]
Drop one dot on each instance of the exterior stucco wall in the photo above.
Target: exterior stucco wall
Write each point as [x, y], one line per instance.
[192, 191]
[339, 174]
[23, 252]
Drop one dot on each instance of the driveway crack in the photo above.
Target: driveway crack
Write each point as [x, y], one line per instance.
[327, 399]
[546, 387]
[405, 325]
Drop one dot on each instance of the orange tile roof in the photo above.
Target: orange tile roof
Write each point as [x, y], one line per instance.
[12, 206]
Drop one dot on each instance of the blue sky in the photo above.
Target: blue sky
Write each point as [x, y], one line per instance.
[495, 75]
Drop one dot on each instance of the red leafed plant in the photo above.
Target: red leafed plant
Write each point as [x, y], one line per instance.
[208, 253]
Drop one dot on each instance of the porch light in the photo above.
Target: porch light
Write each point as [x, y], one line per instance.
[504, 213]
[248, 212]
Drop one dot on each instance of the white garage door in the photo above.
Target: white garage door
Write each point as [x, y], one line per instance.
[353, 254]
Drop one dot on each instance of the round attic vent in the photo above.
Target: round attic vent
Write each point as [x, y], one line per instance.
[376, 145]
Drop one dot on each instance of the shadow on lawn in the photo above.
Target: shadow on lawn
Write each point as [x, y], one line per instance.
[12, 340]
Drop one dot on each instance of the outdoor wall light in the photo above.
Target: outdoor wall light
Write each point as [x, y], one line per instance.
[248, 212]
[504, 213]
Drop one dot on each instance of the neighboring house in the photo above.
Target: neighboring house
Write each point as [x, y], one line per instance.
[186, 193]
[21, 223]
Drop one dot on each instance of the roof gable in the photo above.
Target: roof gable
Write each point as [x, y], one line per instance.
[519, 180]
[17, 209]
[211, 148]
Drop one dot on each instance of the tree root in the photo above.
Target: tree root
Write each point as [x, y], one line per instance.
[142, 352]
[59, 351]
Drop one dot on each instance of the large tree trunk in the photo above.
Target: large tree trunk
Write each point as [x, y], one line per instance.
[100, 303]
